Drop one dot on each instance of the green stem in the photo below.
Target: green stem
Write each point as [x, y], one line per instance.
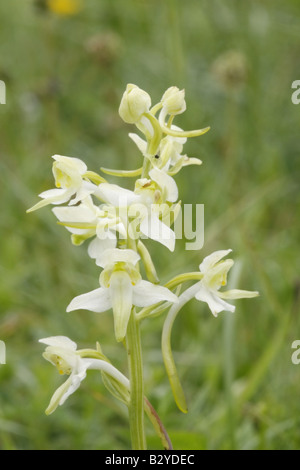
[170, 366]
[122, 393]
[146, 168]
[135, 364]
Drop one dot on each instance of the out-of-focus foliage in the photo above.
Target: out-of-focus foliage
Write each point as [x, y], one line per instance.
[65, 74]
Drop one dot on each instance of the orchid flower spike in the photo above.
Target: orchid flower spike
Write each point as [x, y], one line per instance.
[121, 288]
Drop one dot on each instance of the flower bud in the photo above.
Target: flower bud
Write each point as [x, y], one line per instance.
[135, 102]
[173, 101]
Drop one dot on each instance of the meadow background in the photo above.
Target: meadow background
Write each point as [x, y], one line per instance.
[65, 75]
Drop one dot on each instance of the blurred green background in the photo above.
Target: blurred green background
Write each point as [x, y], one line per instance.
[65, 70]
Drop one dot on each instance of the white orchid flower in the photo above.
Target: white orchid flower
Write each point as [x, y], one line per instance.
[157, 196]
[172, 146]
[169, 156]
[87, 220]
[121, 289]
[149, 203]
[171, 149]
[167, 185]
[70, 183]
[214, 277]
[62, 353]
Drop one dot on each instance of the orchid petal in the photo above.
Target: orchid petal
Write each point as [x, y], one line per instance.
[145, 294]
[139, 142]
[116, 255]
[217, 275]
[98, 246]
[115, 195]
[85, 190]
[55, 194]
[73, 162]
[155, 229]
[52, 196]
[121, 298]
[58, 396]
[97, 301]
[166, 182]
[192, 161]
[238, 294]
[215, 304]
[73, 386]
[60, 342]
[79, 214]
[122, 173]
[212, 259]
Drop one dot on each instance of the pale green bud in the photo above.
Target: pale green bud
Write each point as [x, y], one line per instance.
[135, 102]
[173, 101]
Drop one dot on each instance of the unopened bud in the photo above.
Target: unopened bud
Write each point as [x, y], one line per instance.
[135, 102]
[173, 101]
